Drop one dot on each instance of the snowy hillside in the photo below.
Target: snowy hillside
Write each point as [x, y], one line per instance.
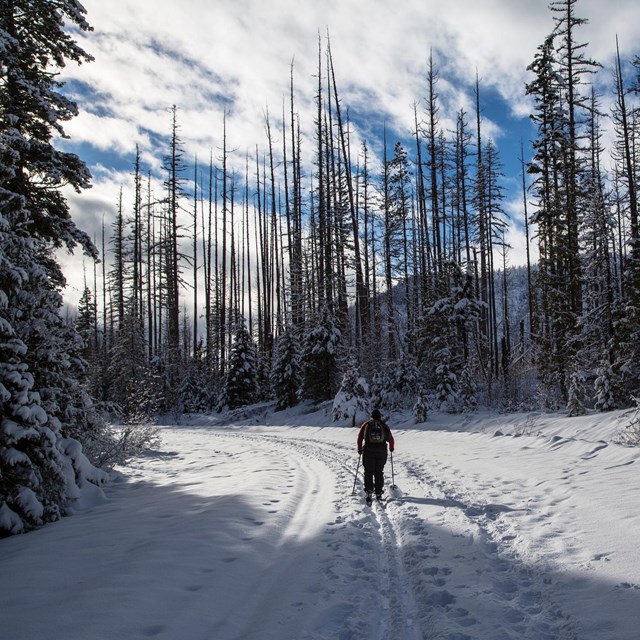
[502, 527]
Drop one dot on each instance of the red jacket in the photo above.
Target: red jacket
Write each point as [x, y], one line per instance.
[363, 428]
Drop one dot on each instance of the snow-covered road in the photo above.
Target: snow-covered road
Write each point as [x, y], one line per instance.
[242, 533]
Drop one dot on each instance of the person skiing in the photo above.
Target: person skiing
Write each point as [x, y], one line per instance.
[373, 437]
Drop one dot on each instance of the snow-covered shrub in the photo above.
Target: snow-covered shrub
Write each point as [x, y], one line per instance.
[629, 435]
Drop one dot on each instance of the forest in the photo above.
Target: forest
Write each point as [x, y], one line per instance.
[373, 281]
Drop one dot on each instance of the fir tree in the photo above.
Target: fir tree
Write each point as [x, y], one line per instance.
[383, 395]
[404, 376]
[55, 356]
[319, 360]
[447, 388]
[575, 403]
[286, 377]
[85, 323]
[135, 383]
[468, 390]
[353, 396]
[241, 381]
[195, 391]
[421, 406]
[34, 221]
[603, 399]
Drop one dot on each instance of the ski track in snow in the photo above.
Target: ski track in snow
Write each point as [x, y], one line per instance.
[254, 533]
[403, 560]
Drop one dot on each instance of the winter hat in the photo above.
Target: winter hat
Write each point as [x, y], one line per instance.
[375, 414]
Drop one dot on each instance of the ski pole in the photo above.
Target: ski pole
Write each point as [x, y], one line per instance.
[393, 478]
[353, 493]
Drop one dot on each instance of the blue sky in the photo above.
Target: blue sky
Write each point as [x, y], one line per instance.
[235, 55]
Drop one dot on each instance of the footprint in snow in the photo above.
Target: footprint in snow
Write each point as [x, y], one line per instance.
[628, 585]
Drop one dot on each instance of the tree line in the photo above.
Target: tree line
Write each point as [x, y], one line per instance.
[395, 265]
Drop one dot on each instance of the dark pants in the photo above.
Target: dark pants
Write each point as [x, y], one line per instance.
[373, 461]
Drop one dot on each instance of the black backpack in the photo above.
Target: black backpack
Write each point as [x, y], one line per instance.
[375, 433]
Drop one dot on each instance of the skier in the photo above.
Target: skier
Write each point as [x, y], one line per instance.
[372, 444]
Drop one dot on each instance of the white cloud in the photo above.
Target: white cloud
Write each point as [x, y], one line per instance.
[235, 55]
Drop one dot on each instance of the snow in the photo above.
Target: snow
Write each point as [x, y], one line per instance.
[501, 527]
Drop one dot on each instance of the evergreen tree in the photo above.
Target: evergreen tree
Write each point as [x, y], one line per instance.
[55, 356]
[404, 376]
[447, 333]
[396, 179]
[577, 395]
[286, 377]
[383, 394]
[468, 390]
[353, 396]
[319, 360]
[604, 399]
[241, 380]
[85, 323]
[35, 220]
[421, 406]
[447, 388]
[136, 384]
[194, 393]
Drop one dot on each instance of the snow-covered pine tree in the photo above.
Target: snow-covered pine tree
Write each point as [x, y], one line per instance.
[447, 388]
[353, 396]
[240, 386]
[34, 221]
[55, 356]
[319, 360]
[447, 340]
[85, 323]
[404, 376]
[286, 377]
[604, 399]
[421, 406]
[134, 382]
[575, 403]
[195, 391]
[468, 390]
[381, 390]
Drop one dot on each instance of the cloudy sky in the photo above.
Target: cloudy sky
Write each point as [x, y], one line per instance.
[212, 56]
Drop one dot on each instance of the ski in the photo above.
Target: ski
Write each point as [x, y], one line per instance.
[370, 498]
